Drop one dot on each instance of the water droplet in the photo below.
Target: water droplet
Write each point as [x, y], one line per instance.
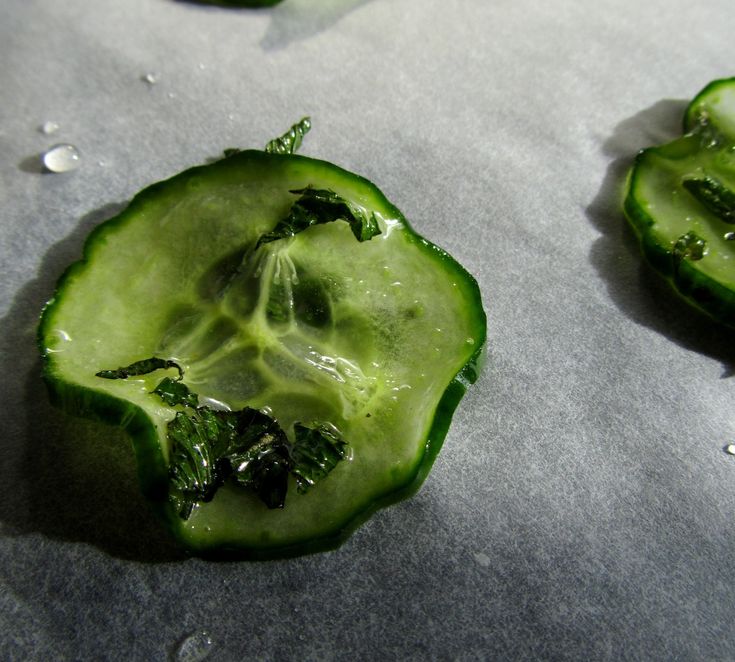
[730, 236]
[231, 117]
[101, 164]
[730, 449]
[194, 648]
[691, 246]
[482, 558]
[149, 78]
[47, 128]
[61, 158]
[202, 66]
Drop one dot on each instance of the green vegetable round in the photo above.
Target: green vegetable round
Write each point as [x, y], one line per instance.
[240, 3]
[377, 338]
[681, 203]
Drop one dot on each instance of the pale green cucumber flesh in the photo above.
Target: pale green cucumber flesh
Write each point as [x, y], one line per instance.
[671, 204]
[378, 338]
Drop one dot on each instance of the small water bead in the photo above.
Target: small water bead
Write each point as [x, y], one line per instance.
[482, 559]
[150, 78]
[47, 128]
[690, 246]
[194, 648]
[730, 449]
[61, 158]
[730, 236]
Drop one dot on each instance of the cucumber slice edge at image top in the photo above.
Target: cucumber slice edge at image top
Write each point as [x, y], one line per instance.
[358, 334]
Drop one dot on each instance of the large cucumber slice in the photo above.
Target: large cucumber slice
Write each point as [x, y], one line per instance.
[377, 338]
[681, 202]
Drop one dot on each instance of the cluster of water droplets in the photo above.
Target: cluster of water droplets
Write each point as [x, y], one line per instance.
[65, 157]
[61, 157]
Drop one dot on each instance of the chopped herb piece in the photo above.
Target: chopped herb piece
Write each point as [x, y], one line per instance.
[140, 368]
[174, 392]
[208, 447]
[713, 195]
[316, 451]
[192, 468]
[264, 468]
[290, 141]
[318, 206]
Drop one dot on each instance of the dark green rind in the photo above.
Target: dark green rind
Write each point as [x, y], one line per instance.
[153, 471]
[695, 287]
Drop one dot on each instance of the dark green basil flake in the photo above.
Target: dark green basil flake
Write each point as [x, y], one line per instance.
[248, 447]
[264, 468]
[141, 368]
[316, 451]
[319, 206]
[290, 141]
[192, 467]
[259, 457]
[209, 447]
[174, 392]
[714, 196]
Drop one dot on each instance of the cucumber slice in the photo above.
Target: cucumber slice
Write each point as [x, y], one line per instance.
[681, 203]
[378, 339]
[239, 3]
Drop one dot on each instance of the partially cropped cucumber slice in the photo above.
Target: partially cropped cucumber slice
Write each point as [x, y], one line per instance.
[240, 3]
[681, 203]
[378, 339]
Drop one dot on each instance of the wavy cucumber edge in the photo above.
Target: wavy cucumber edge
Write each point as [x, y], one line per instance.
[152, 471]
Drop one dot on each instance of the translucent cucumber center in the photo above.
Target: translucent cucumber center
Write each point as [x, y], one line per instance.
[267, 332]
